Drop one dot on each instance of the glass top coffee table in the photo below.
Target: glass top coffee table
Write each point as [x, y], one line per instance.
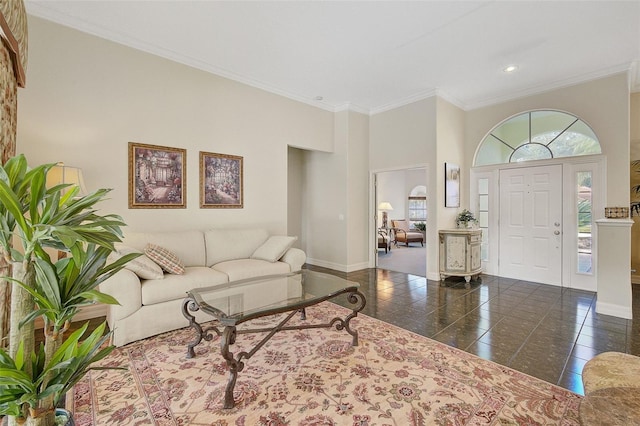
[234, 303]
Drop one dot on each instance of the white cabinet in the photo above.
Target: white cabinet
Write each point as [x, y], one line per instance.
[460, 253]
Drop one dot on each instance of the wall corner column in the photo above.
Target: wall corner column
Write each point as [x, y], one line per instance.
[614, 268]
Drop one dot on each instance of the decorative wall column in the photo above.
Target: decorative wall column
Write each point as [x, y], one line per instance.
[13, 65]
[614, 271]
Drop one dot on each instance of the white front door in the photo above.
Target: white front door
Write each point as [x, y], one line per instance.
[531, 224]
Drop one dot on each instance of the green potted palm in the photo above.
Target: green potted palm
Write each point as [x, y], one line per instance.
[34, 218]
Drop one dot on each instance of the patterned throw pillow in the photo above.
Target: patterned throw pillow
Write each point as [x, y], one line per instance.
[163, 257]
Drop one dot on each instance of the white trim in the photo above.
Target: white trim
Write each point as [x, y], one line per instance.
[569, 164]
[338, 266]
[415, 98]
[433, 276]
[548, 87]
[615, 222]
[404, 101]
[491, 265]
[634, 77]
[44, 12]
[614, 310]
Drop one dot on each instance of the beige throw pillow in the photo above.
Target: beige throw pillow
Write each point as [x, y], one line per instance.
[274, 248]
[142, 266]
[163, 257]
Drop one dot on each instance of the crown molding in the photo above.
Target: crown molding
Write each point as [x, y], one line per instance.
[404, 101]
[547, 87]
[452, 100]
[40, 10]
[348, 106]
[634, 77]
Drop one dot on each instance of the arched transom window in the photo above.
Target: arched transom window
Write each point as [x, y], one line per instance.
[537, 135]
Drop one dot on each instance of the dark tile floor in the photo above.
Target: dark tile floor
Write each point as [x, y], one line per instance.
[545, 331]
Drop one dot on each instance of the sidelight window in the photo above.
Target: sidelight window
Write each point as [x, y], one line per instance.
[584, 221]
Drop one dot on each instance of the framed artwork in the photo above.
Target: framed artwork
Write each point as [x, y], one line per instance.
[156, 177]
[451, 185]
[221, 181]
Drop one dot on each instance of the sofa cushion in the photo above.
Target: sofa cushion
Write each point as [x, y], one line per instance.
[187, 245]
[165, 258]
[273, 249]
[174, 287]
[142, 266]
[232, 244]
[249, 268]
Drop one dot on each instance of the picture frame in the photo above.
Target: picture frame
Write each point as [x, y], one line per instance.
[157, 177]
[221, 181]
[451, 185]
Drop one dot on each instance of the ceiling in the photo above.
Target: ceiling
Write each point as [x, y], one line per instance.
[371, 56]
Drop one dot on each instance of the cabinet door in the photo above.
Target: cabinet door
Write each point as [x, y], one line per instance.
[476, 261]
[456, 253]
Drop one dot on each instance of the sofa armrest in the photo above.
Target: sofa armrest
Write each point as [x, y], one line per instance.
[295, 258]
[125, 287]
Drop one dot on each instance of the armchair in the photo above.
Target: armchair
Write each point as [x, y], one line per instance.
[384, 239]
[404, 235]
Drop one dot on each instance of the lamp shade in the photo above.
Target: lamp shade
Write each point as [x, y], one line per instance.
[384, 205]
[61, 174]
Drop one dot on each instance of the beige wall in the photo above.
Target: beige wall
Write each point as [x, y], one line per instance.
[358, 219]
[335, 197]
[88, 97]
[451, 132]
[404, 138]
[603, 104]
[324, 200]
[635, 181]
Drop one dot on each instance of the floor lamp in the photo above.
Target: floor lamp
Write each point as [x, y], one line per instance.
[65, 175]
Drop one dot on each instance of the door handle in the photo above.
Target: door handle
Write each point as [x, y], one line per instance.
[556, 232]
[557, 224]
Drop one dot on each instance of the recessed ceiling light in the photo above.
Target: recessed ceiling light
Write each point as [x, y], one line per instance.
[510, 68]
[319, 98]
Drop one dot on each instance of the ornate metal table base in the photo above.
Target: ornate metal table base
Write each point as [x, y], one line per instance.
[229, 333]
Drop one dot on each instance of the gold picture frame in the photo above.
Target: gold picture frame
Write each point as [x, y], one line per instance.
[221, 181]
[157, 177]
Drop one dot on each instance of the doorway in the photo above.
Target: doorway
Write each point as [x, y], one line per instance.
[403, 193]
[531, 224]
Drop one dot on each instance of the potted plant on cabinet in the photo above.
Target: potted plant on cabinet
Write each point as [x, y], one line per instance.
[32, 381]
[465, 219]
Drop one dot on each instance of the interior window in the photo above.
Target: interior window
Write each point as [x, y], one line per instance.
[418, 207]
[537, 135]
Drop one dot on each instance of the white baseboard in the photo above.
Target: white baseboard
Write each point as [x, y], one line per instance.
[323, 263]
[614, 310]
[433, 276]
[338, 266]
[357, 266]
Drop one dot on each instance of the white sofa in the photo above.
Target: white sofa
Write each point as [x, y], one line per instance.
[213, 257]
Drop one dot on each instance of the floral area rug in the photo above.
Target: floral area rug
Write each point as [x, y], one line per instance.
[315, 377]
